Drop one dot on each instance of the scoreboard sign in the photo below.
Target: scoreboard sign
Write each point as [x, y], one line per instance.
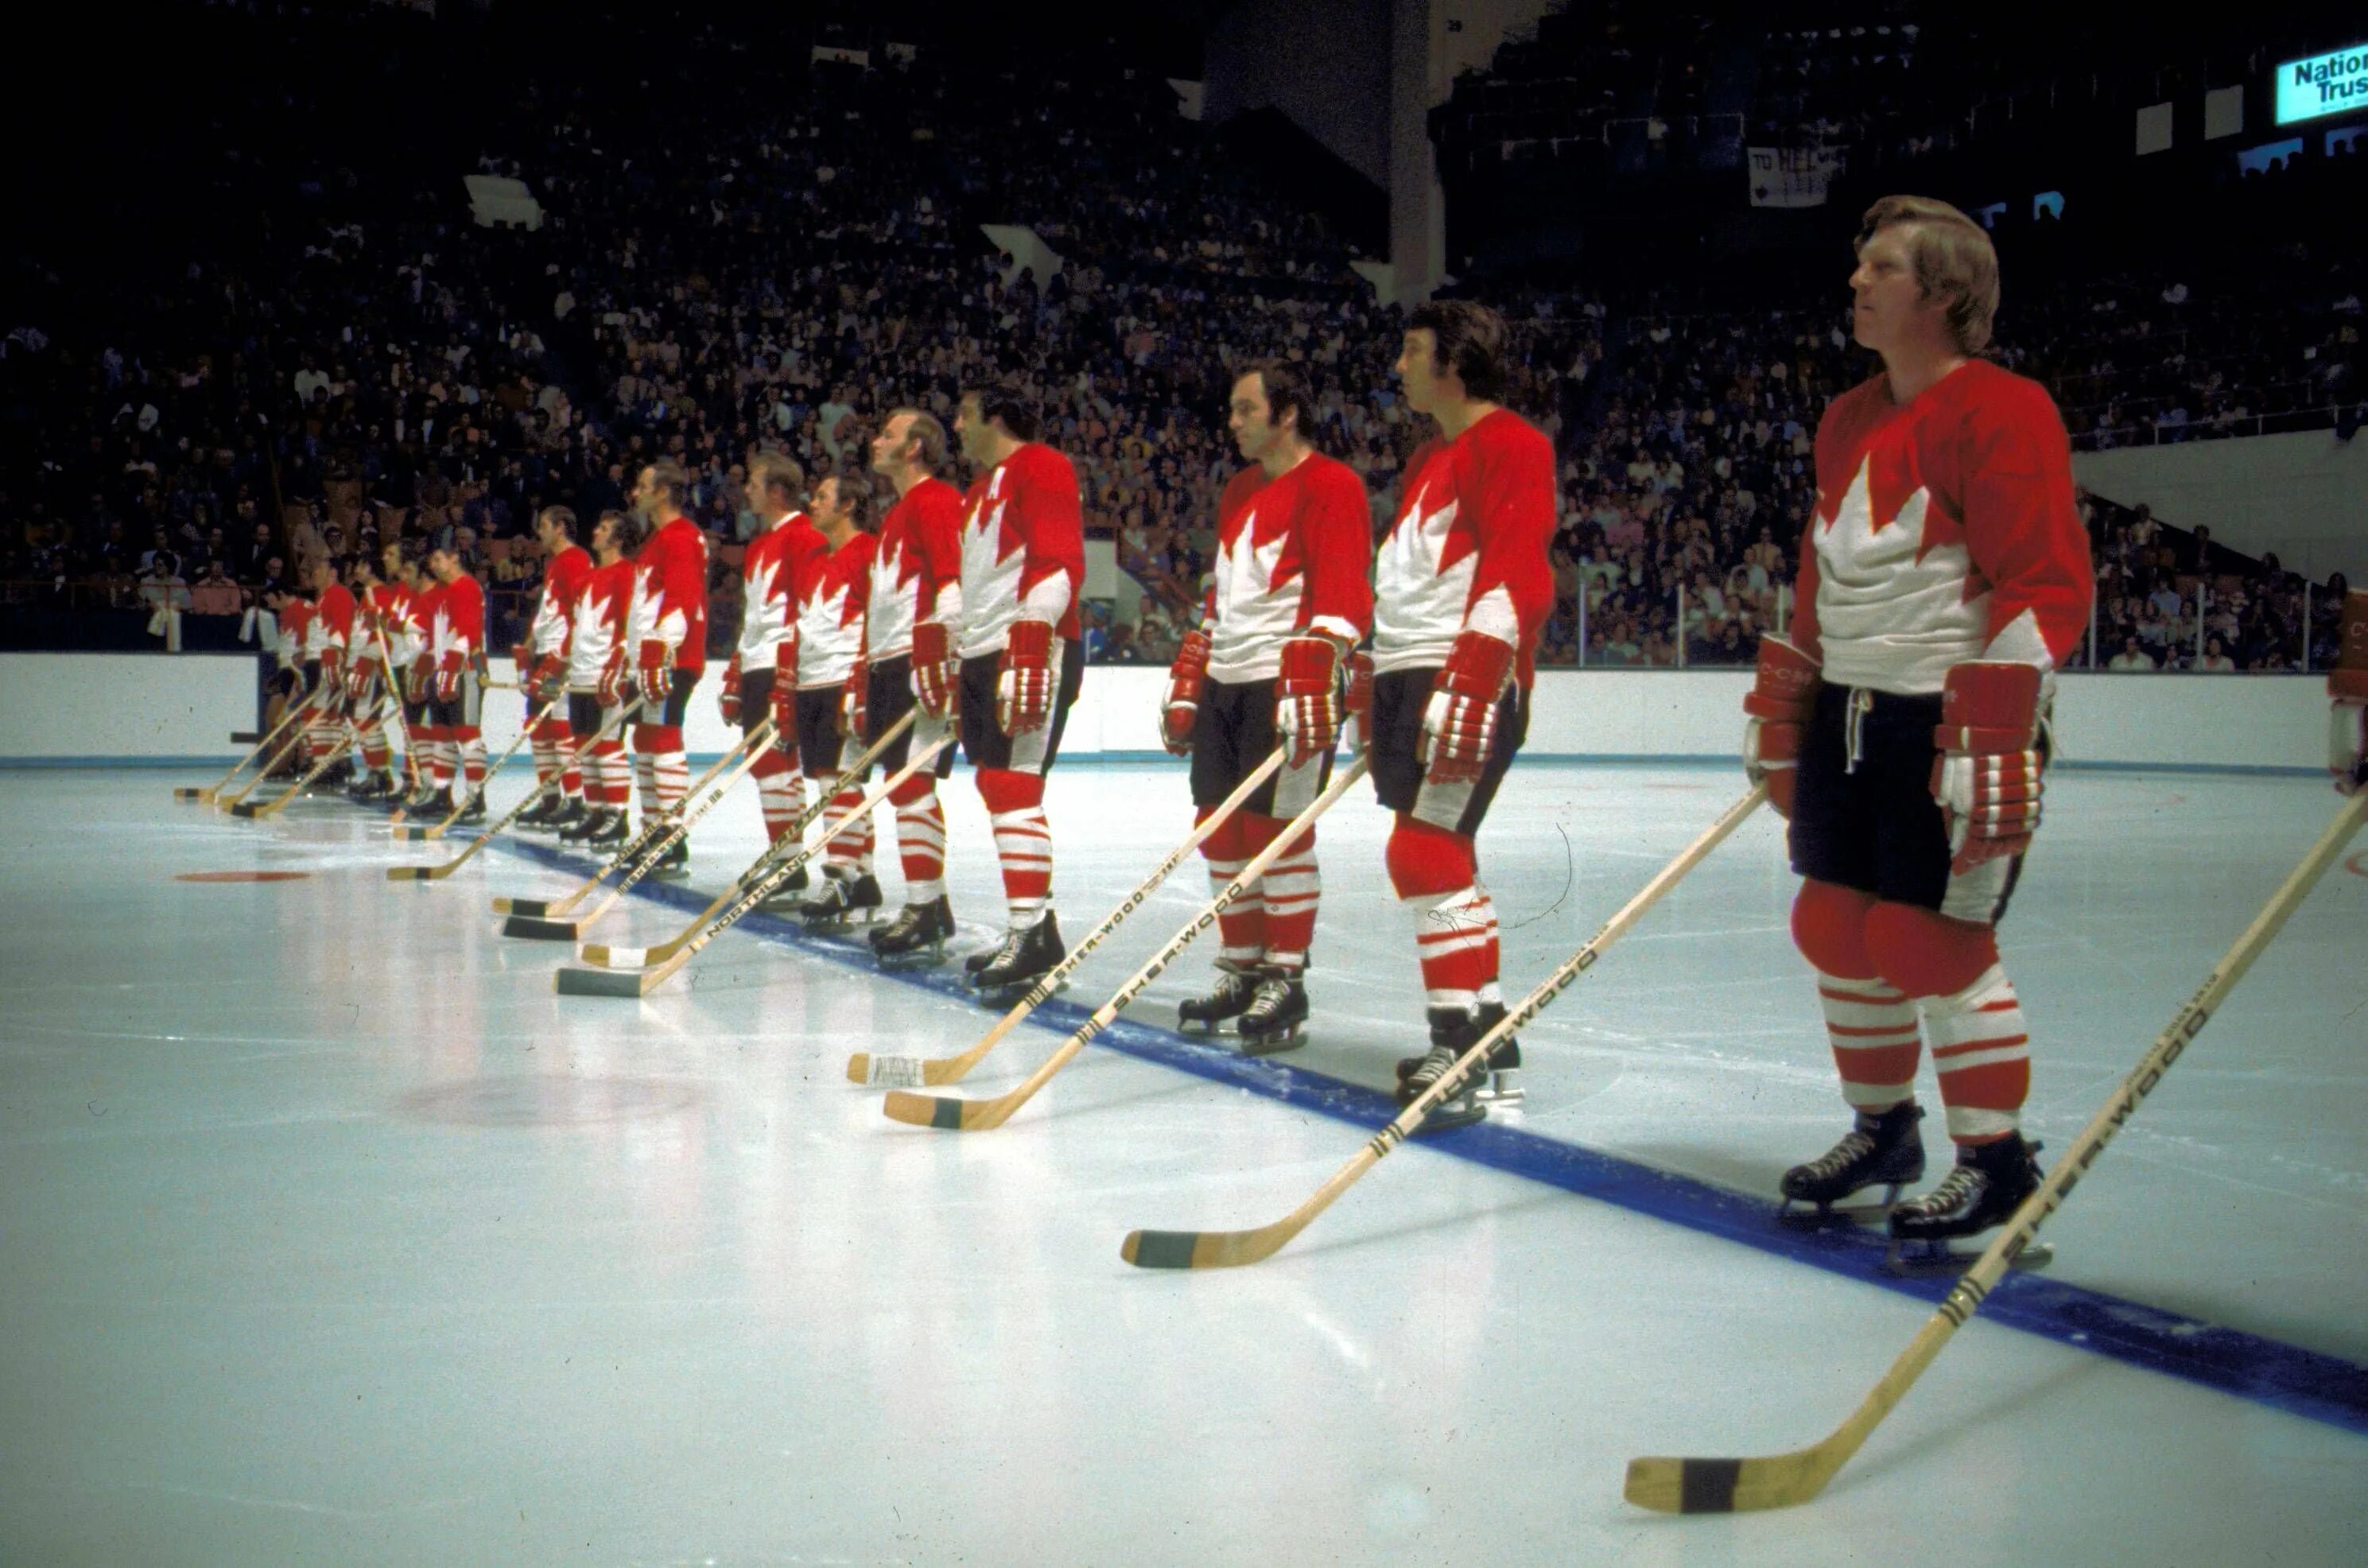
[2333, 82]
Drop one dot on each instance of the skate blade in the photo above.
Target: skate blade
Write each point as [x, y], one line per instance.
[1843, 1215]
[1445, 1121]
[897, 963]
[1006, 997]
[1270, 1044]
[1502, 1089]
[1942, 1260]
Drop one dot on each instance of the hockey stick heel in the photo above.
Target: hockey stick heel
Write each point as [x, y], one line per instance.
[572, 981]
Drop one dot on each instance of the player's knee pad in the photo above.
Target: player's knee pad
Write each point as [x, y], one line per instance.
[553, 732]
[770, 763]
[913, 792]
[1005, 791]
[1259, 830]
[646, 739]
[1226, 842]
[1829, 929]
[466, 734]
[1924, 954]
[1424, 859]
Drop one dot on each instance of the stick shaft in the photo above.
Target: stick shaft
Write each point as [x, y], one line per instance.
[279, 803]
[1282, 845]
[285, 720]
[1051, 983]
[750, 749]
[630, 852]
[296, 711]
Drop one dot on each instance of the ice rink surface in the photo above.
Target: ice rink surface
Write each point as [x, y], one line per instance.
[329, 1232]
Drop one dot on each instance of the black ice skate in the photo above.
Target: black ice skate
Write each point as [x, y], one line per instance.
[1500, 1086]
[375, 790]
[1230, 997]
[672, 863]
[417, 803]
[1882, 1150]
[1272, 1020]
[569, 813]
[605, 829]
[1453, 1031]
[1025, 958]
[1981, 1192]
[916, 938]
[542, 814]
[474, 811]
[581, 830]
[786, 898]
[841, 899]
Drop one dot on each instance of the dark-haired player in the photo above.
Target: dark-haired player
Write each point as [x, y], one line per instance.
[600, 677]
[542, 662]
[669, 636]
[1291, 600]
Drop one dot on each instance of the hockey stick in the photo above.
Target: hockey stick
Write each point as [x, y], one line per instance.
[1781, 1480]
[543, 788]
[406, 834]
[952, 1113]
[1225, 1249]
[392, 693]
[215, 788]
[286, 749]
[279, 803]
[914, 1070]
[642, 982]
[791, 843]
[670, 827]
[627, 853]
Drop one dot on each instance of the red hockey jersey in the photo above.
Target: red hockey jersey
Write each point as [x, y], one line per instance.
[595, 633]
[385, 610]
[420, 623]
[295, 630]
[1023, 548]
[915, 569]
[671, 607]
[458, 633]
[830, 615]
[554, 613]
[1945, 530]
[776, 574]
[1468, 551]
[331, 629]
[1290, 558]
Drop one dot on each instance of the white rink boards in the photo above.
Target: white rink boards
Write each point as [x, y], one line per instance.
[329, 1231]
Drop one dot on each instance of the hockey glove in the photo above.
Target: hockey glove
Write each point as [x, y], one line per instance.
[1023, 687]
[1459, 722]
[1182, 708]
[727, 699]
[1986, 777]
[854, 700]
[522, 660]
[1777, 710]
[658, 682]
[549, 679]
[1360, 700]
[1307, 699]
[936, 675]
[415, 683]
[358, 681]
[2347, 684]
[616, 688]
[785, 694]
[332, 670]
[448, 679]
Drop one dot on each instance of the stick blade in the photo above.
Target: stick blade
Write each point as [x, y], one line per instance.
[527, 907]
[534, 929]
[190, 794]
[408, 833]
[602, 956]
[1726, 1486]
[409, 873]
[1201, 1249]
[888, 1072]
[574, 982]
[947, 1113]
[245, 809]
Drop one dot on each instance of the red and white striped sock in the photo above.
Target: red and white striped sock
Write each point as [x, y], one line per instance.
[1023, 842]
[646, 766]
[851, 850]
[670, 769]
[921, 839]
[1241, 925]
[615, 774]
[781, 792]
[1983, 1051]
[443, 760]
[1436, 877]
[1872, 1028]
[472, 757]
[546, 757]
[1289, 887]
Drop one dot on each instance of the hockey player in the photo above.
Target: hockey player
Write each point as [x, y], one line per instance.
[1944, 576]
[1462, 588]
[776, 571]
[830, 633]
[1023, 564]
[327, 633]
[913, 606]
[2347, 684]
[456, 647]
[542, 662]
[417, 653]
[669, 637]
[368, 695]
[600, 678]
[1291, 600]
[291, 614]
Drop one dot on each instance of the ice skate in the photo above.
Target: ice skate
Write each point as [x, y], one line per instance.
[841, 900]
[1500, 1086]
[1026, 957]
[1884, 1149]
[1981, 1192]
[916, 937]
[1452, 1032]
[1230, 997]
[1272, 1020]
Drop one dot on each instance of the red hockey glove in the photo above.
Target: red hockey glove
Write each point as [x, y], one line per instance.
[1182, 708]
[1023, 687]
[522, 659]
[448, 678]
[358, 680]
[1986, 777]
[785, 694]
[2347, 684]
[854, 700]
[728, 697]
[1459, 722]
[1360, 700]
[616, 688]
[1307, 699]
[549, 679]
[417, 682]
[937, 674]
[658, 682]
[332, 670]
[1777, 710]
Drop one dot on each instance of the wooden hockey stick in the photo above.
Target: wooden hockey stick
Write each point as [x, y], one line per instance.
[209, 793]
[543, 788]
[286, 748]
[642, 982]
[791, 844]
[412, 833]
[1781, 1480]
[1226, 1249]
[669, 827]
[913, 1071]
[393, 695]
[279, 803]
[952, 1113]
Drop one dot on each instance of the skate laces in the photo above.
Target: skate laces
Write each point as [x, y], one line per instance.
[1855, 1146]
[1959, 1187]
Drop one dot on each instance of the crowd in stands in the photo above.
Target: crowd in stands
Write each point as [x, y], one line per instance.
[746, 266]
